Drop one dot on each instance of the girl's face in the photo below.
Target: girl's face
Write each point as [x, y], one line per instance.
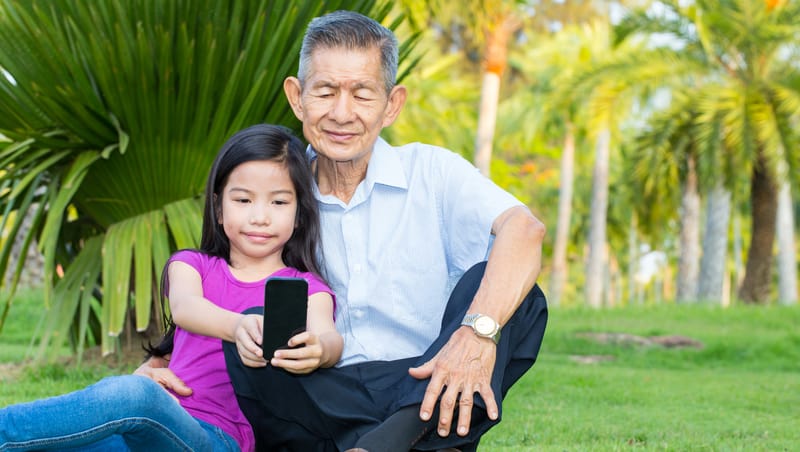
[258, 209]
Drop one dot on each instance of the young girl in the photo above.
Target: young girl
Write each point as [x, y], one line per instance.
[260, 220]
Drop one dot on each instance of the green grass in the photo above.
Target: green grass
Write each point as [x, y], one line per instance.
[22, 380]
[741, 391]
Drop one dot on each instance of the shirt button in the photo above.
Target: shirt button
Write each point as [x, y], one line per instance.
[357, 269]
[358, 313]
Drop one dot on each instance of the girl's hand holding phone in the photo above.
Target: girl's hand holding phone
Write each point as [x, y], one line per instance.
[304, 356]
[248, 336]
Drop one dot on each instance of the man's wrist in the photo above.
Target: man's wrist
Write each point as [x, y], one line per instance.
[483, 326]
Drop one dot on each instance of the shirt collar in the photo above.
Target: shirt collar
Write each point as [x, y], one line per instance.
[385, 167]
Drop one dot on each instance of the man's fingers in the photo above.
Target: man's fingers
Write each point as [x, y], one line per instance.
[169, 380]
[488, 398]
[430, 399]
[464, 413]
[447, 407]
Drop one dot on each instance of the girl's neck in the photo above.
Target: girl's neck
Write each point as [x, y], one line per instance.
[246, 270]
[339, 179]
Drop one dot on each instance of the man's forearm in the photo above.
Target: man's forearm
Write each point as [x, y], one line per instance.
[513, 265]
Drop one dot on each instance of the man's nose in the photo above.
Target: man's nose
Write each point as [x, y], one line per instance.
[342, 110]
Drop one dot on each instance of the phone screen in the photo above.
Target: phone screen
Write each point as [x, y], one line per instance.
[285, 305]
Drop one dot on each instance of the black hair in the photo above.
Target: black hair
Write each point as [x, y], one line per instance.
[262, 142]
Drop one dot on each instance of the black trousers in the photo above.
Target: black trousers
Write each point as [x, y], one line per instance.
[329, 409]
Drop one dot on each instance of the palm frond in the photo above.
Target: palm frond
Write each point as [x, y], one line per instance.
[117, 110]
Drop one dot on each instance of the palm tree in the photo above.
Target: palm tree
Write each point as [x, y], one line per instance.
[114, 111]
[604, 88]
[747, 88]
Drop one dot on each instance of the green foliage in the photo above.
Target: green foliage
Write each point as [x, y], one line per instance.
[114, 112]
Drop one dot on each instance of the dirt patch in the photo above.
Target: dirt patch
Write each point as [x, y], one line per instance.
[123, 360]
[669, 341]
[591, 359]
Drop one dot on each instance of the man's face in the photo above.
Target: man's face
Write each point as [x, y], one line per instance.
[343, 104]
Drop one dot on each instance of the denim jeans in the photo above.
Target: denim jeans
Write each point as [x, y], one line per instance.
[127, 412]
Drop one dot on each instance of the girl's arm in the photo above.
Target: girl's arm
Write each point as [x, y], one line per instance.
[322, 344]
[194, 313]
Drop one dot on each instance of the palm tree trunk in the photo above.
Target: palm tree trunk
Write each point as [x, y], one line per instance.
[633, 260]
[688, 261]
[764, 205]
[787, 255]
[595, 267]
[715, 245]
[496, 59]
[487, 119]
[559, 271]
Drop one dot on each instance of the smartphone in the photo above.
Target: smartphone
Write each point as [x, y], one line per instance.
[285, 306]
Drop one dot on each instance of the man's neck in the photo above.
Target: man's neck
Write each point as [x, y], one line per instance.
[339, 179]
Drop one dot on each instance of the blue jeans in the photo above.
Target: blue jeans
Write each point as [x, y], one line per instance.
[127, 412]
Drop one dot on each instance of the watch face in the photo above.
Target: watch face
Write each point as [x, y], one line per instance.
[484, 325]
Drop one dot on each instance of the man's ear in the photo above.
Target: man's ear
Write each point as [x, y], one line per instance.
[293, 90]
[397, 98]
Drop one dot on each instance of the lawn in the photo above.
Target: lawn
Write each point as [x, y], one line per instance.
[739, 390]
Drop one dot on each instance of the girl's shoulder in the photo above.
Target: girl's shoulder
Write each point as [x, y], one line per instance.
[315, 283]
[197, 259]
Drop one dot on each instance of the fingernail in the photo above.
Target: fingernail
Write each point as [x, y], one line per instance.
[462, 430]
[442, 432]
[425, 415]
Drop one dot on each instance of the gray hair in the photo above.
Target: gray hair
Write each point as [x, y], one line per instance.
[352, 31]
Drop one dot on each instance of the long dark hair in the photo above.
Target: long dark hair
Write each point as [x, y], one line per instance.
[261, 142]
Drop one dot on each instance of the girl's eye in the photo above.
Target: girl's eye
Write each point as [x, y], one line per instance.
[280, 202]
[242, 200]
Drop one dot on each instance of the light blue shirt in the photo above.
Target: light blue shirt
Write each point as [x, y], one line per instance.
[422, 216]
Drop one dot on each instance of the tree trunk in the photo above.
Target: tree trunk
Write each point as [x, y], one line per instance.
[490, 93]
[715, 245]
[633, 261]
[558, 274]
[32, 275]
[597, 222]
[688, 261]
[495, 62]
[787, 254]
[764, 206]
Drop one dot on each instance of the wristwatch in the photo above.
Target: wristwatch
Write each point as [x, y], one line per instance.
[483, 326]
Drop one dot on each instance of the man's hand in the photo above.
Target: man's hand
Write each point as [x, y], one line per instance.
[156, 369]
[464, 365]
[248, 336]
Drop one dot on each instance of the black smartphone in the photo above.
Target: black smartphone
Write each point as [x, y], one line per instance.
[285, 306]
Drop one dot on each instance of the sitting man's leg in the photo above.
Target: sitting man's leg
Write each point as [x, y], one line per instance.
[519, 345]
[347, 403]
[275, 404]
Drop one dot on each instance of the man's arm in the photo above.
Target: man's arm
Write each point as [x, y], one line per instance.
[466, 362]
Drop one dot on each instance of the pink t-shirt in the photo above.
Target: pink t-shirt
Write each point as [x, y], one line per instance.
[198, 360]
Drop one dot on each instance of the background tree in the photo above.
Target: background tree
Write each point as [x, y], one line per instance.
[745, 51]
[114, 111]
